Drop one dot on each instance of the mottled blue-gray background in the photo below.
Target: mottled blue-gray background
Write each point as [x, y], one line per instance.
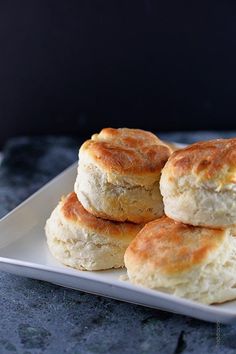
[38, 317]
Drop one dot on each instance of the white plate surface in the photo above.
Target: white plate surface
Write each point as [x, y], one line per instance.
[23, 251]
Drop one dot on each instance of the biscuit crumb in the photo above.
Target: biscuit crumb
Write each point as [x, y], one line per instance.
[123, 277]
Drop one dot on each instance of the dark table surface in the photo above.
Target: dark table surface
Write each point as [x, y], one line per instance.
[38, 317]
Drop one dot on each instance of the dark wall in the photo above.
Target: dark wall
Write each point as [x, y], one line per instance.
[75, 66]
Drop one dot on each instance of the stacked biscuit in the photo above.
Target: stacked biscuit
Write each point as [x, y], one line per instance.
[192, 252]
[128, 178]
[115, 193]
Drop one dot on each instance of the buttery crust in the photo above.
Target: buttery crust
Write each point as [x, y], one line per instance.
[198, 184]
[191, 262]
[119, 174]
[214, 159]
[170, 247]
[82, 241]
[73, 211]
[127, 151]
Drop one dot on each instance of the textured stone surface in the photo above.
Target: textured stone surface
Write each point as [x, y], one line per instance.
[30, 163]
[38, 317]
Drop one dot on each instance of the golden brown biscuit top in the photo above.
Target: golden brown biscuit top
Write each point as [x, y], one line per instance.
[170, 247]
[127, 151]
[207, 160]
[73, 211]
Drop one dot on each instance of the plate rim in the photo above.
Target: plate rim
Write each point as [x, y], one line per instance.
[225, 314]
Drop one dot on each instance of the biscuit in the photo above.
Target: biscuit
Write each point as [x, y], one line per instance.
[198, 184]
[80, 240]
[187, 261]
[118, 175]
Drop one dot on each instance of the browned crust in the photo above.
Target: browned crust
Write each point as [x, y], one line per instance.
[73, 211]
[127, 151]
[205, 159]
[171, 247]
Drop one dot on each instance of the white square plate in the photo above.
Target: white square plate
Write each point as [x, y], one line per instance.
[23, 251]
